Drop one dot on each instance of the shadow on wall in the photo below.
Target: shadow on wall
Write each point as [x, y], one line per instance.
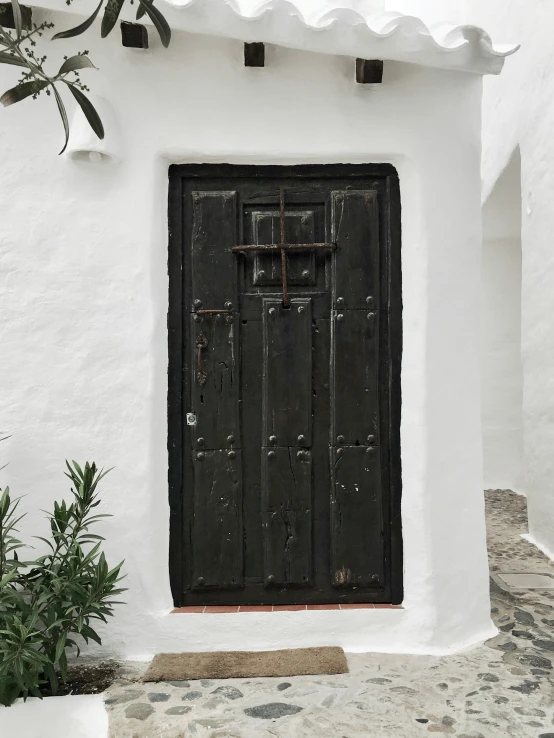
[501, 370]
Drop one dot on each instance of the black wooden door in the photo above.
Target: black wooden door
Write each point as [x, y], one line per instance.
[284, 399]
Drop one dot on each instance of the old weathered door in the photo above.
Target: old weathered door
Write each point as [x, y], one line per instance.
[284, 400]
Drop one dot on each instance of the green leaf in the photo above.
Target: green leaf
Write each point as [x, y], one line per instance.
[35, 691]
[81, 28]
[92, 553]
[8, 578]
[63, 115]
[7, 58]
[88, 109]
[88, 632]
[80, 471]
[60, 646]
[18, 22]
[50, 674]
[79, 61]
[34, 658]
[63, 666]
[140, 11]
[33, 619]
[20, 92]
[5, 501]
[158, 20]
[111, 14]
[101, 476]
[45, 540]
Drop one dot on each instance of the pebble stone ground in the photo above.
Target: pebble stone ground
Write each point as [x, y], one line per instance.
[501, 688]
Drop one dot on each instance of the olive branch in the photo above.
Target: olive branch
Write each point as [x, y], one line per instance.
[17, 48]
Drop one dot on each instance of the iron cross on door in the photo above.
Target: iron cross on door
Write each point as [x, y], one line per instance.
[286, 493]
[283, 248]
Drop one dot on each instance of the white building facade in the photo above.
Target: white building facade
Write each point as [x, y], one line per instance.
[84, 270]
[517, 154]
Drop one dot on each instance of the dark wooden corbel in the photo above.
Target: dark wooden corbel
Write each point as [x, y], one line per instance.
[369, 71]
[7, 19]
[254, 55]
[134, 35]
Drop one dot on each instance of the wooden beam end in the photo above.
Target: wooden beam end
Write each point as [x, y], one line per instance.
[7, 19]
[254, 55]
[134, 35]
[369, 71]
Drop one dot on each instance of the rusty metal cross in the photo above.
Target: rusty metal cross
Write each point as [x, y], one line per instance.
[283, 247]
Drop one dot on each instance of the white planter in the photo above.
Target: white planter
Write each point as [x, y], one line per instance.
[71, 716]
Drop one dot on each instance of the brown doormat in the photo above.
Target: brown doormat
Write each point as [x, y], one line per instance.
[229, 664]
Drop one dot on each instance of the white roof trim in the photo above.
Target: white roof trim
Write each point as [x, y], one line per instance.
[346, 32]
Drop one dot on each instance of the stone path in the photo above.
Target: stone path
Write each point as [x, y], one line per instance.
[502, 688]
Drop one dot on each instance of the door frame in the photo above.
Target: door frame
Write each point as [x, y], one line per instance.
[391, 278]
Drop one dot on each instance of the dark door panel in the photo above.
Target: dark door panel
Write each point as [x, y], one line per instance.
[216, 549]
[214, 379]
[284, 413]
[357, 550]
[287, 372]
[355, 377]
[287, 520]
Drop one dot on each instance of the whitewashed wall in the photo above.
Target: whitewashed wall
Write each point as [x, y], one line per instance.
[518, 110]
[70, 716]
[501, 374]
[83, 298]
[501, 369]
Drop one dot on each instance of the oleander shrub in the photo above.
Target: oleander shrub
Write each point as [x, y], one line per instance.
[50, 604]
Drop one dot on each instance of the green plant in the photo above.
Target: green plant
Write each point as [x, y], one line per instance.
[17, 48]
[45, 603]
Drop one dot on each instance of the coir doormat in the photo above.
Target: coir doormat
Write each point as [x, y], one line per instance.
[233, 664]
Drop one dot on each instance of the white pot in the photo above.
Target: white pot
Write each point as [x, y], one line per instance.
[71, 716]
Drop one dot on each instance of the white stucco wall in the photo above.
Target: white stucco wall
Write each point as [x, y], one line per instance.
[501, 375]
[83, 295]
[71, 716]
[518, 110]
[501, 369]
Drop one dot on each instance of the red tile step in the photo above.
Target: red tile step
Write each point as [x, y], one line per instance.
[220, 609]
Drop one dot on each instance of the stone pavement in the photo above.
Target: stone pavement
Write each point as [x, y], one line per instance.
[499, 689]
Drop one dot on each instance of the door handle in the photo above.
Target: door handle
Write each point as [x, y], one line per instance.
[201, 343]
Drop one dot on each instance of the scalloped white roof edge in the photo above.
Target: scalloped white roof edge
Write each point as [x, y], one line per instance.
[344, 31]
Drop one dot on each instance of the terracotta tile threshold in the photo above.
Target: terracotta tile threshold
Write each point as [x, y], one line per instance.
[214, 609]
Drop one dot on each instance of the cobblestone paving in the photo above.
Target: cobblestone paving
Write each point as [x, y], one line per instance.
[499, 689]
